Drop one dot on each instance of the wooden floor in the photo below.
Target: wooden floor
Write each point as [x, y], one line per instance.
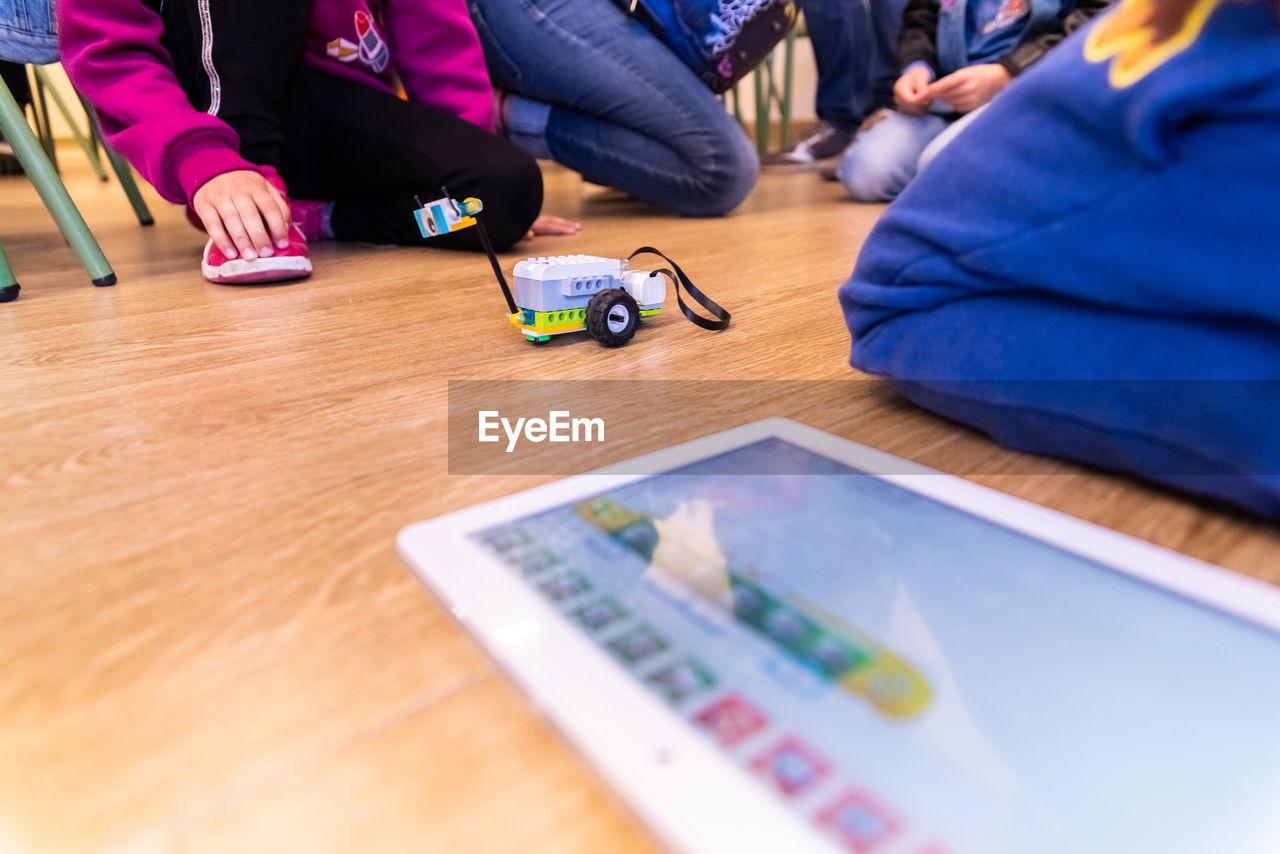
[207, 643]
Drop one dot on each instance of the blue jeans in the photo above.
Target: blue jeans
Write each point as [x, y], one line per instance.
[598, 93]
[855, 50]
[885, 155]
[28, 31]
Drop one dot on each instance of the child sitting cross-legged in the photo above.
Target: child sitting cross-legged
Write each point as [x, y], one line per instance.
[280, 123]
[955, 56]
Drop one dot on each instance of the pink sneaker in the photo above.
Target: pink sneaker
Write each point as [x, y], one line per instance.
[312, 218]
[281, 266]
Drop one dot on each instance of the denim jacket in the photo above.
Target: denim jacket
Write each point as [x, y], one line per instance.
[28, 31]
[953, 47]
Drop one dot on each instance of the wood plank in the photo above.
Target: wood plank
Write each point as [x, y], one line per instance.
[472, 773]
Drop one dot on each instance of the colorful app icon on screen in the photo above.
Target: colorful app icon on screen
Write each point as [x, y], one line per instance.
[859, 822]
[791, 766]
[731, 720]
[638, 644]
[597, 615]
[684, 555]
[537, 561]
[682, 679]
[565, 585]
[506, 540]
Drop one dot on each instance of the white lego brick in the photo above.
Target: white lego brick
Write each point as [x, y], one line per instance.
[648, 289]
[547, 268]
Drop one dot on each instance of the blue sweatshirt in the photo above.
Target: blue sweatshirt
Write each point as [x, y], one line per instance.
[1112, 217]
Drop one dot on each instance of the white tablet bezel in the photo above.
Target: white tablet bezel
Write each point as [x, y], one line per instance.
[693, 797]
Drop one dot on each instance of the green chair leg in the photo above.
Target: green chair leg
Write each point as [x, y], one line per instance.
[122, 169]
[767, 95]
[45, 125]
[788, 79]
[762, 106]
[37, 120]
[8, 284]
[95, 132]
[27, 148]
[125, 173]
[85, 143]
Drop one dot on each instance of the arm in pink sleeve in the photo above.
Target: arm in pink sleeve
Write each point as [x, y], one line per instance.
[438, 56]
[111, 51]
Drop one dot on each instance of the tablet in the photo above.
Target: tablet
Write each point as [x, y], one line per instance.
[781, 641]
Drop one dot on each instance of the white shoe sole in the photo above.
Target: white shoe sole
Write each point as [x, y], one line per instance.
[238, 271]
[803, 165]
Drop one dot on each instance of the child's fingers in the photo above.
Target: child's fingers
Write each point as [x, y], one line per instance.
[254, 227]
[276, 219]
[950, 94]
[282, 240]
[911, 100]
[950, 85]
[213, 225]
[943, 89]
[231, 221]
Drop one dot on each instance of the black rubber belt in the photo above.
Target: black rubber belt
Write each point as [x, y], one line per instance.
[679, 278]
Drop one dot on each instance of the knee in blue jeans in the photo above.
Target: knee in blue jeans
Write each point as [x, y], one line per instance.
[870, 174]
[721, 180]
[882, 160]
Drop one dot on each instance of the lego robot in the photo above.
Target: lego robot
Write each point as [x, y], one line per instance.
[570, 293]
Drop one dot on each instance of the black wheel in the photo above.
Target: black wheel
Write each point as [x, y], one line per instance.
[612, 317]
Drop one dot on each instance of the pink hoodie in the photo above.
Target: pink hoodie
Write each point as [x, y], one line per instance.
[111, 51]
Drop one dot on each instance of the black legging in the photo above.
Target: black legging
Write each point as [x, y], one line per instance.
[333, 139]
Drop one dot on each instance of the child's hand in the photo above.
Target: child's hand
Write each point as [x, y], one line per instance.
[548, 224]
[243, 214]
[969, 88]
[911, 91]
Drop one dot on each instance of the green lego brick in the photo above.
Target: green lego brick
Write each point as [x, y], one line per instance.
[556, 319]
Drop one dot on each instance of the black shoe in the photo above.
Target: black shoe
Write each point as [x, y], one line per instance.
[821, 145]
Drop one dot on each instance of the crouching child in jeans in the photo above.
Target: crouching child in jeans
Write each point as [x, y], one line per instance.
[955, 56]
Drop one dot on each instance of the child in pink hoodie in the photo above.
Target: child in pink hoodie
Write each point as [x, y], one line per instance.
[223, 104]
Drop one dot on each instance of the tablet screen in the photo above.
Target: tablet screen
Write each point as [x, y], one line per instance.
[912, 678]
